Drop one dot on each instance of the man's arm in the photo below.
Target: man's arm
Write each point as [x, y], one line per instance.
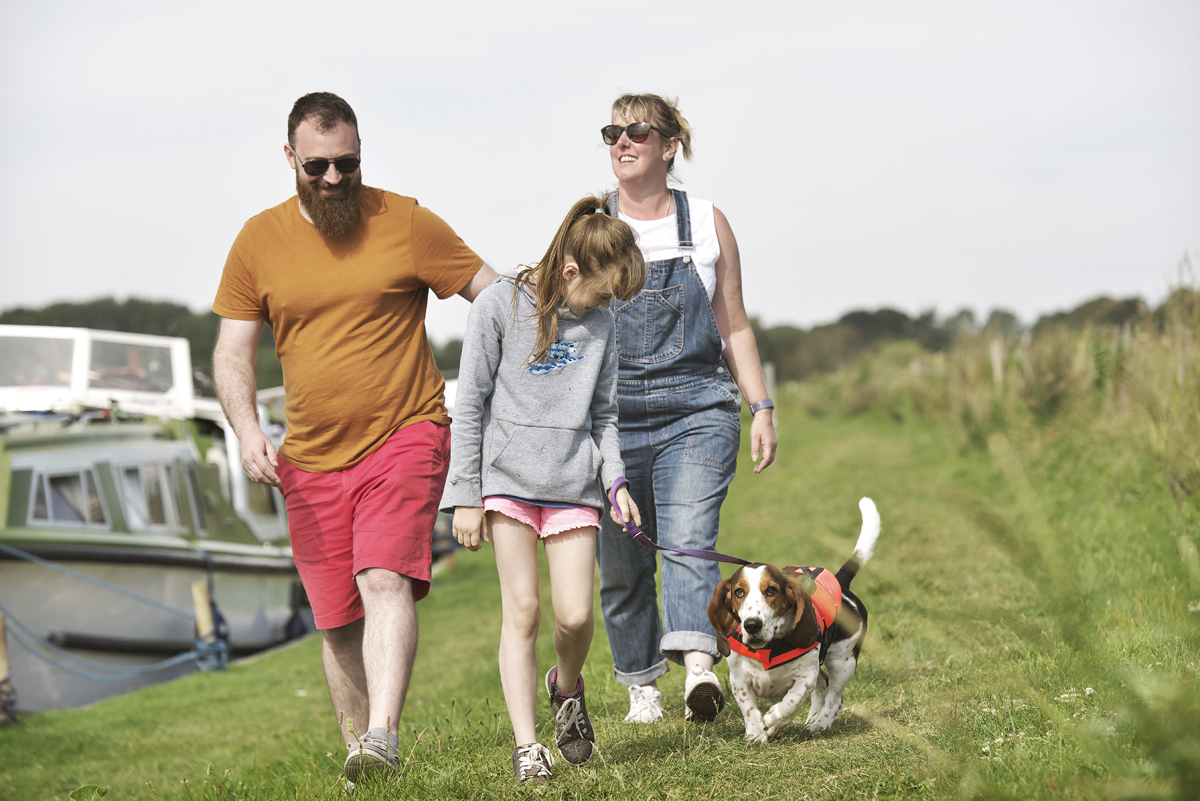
[233, 373]
[479, 282]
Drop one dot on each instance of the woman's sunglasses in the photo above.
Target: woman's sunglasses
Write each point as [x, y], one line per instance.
[637, 132]
[345, 165]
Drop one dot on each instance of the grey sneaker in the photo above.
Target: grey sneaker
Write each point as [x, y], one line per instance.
[532, 763]
[573, 733]
[376, 751]
[702, 695]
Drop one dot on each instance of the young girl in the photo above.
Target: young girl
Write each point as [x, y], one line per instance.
[534, 446]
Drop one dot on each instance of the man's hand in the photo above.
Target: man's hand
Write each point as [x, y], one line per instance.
[258, 458]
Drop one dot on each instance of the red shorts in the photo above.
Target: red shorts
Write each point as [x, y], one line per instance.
[379, 513]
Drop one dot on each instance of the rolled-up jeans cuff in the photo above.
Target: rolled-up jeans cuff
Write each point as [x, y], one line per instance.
[675, 644]
[655, 671]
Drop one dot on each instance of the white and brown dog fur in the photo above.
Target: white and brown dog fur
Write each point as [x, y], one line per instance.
[769, 604]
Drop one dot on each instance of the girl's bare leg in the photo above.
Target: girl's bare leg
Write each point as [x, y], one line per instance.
[515, 546]
[572, 559]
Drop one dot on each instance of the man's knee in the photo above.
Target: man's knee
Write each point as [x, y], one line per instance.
[379, 582]
[344, 638]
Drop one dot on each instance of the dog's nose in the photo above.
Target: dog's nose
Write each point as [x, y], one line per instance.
[752, 625]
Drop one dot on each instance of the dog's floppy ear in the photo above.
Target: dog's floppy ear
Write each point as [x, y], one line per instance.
[805, 631]
[720, 614]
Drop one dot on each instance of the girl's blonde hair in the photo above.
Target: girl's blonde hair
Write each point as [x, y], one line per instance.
[662, 113]
[609, 260]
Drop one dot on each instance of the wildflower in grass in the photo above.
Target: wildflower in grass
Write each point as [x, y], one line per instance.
[1089, 691]
[1194, 606]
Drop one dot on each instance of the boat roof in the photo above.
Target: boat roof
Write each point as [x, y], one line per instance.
[52, 369]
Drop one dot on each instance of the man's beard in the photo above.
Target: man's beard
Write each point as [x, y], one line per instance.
[333, 215]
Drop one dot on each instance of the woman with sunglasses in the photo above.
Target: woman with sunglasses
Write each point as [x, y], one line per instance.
[686, 348]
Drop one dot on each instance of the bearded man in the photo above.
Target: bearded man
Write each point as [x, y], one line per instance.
[342, 272]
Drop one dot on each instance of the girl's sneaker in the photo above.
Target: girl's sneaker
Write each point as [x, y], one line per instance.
[573, 731]
[645, 705]
[532, 763]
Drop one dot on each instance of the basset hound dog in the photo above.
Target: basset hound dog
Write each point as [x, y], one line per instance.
[779, 627]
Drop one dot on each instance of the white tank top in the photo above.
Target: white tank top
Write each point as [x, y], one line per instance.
[659, 240]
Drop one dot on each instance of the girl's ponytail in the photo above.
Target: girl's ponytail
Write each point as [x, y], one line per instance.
[606, 251]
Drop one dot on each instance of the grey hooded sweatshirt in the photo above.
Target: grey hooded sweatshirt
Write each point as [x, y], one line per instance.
[545, 432]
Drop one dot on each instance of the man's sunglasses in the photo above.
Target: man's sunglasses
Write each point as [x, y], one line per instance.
[345, 165]
[637, 132]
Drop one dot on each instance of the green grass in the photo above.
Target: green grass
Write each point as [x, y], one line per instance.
[1030, 637]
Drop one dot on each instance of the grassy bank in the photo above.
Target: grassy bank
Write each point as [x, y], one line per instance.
[1033, 635]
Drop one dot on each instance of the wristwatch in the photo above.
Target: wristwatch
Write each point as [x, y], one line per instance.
[765, 403]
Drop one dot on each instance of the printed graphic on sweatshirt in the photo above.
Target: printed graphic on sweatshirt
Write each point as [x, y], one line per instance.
[560, 354]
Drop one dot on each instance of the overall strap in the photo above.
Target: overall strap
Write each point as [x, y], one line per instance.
[683, 220]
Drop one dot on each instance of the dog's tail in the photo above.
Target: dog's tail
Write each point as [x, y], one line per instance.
[864, 549]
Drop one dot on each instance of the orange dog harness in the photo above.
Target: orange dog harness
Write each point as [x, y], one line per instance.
[826, 601]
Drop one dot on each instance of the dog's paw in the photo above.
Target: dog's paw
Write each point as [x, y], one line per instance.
[757, 737]
[774, 723]
[818, 725]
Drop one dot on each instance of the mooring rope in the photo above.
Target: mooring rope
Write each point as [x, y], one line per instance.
[208, 654]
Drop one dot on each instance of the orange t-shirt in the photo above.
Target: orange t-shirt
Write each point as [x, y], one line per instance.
[349, 320]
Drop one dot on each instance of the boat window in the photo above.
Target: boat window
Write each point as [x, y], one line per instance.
[35, 361]
[148, 491]
[67, 499]
[117, 365]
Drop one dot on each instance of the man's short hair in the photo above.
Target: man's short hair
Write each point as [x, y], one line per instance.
[326, 109]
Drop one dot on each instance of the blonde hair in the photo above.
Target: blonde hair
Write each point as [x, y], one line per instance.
[606, 251]
[662, 113]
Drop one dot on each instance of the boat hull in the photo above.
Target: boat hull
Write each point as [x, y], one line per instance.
[257, 597]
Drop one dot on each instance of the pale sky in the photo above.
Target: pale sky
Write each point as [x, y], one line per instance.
[916, 155]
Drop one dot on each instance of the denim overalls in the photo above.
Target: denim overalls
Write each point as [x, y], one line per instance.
[680, 427]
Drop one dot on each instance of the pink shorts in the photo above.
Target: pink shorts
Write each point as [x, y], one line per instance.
[378, 513]
[545, 520]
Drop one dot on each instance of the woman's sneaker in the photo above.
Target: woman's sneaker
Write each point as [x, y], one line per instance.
[376, 751]
[532, 763]
[573, 733]
[645, 705]
[702, 695]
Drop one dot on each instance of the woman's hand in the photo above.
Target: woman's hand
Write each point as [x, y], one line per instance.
[470, 527]
[629, 509]
[762, 440]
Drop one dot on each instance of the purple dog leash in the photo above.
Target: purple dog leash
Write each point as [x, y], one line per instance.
[646, 542]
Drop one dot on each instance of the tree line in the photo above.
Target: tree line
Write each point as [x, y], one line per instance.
[797, 353]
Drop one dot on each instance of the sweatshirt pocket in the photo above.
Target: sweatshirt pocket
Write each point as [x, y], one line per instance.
[550, 464]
